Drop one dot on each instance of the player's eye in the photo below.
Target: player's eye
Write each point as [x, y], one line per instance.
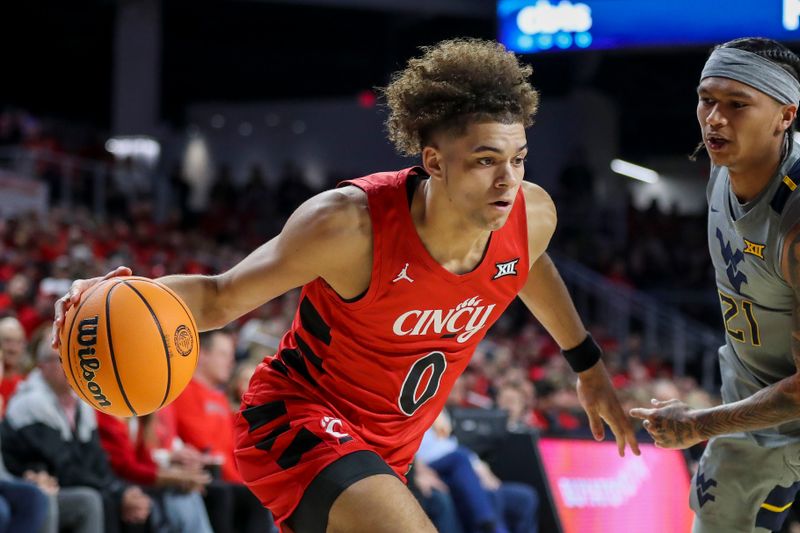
[486, 161]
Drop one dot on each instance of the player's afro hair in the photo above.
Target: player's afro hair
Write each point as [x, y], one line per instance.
[453, 84]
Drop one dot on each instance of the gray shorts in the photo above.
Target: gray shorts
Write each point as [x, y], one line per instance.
[741, 487]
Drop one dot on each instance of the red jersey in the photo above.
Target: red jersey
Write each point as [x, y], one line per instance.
[385, 362]
[204, 420]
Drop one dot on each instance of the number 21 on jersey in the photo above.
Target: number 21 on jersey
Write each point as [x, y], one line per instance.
[731, 309]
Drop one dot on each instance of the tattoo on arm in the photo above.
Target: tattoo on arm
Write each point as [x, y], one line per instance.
[778, 403]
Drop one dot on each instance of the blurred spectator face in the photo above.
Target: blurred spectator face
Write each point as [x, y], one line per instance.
[19, 288]
[49, 363]
[442, 426]
[512, 400]
[242, 379]
[217, 359]
[665, 390]
[458, 394]
[12, 342]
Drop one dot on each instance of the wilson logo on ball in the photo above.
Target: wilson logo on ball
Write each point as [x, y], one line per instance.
[87, 338]
[184, 341]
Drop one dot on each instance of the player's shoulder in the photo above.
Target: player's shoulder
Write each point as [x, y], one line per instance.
[539, 206]
[339, 212]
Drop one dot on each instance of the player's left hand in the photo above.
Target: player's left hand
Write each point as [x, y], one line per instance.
[599, 400]
[671, 424]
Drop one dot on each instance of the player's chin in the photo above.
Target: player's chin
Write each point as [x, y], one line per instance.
[494, 221]
[494, 224]
[721, 159]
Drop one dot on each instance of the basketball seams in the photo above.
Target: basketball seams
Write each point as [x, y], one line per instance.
[180, 302]
[163, 339]
[84, 299]
[111, 348]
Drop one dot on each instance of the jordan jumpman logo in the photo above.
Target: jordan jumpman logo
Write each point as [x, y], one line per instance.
[403, 275]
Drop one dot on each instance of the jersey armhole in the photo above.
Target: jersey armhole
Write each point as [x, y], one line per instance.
[366, 297]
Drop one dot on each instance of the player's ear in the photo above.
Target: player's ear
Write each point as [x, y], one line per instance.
[432, 161]
[788, 116]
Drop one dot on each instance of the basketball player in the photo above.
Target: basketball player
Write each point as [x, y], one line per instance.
[750, 471]
[402, 274]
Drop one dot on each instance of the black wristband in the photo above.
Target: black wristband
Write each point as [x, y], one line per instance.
[583, 356]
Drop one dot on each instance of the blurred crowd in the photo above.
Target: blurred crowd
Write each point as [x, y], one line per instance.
[173, 471]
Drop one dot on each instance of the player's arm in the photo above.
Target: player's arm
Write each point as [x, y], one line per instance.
[323, 238]
[546, 296]
[320, 239]
[673, 424]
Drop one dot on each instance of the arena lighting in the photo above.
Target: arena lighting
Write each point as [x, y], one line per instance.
[634, 171]
[547, 18]
[137, 147]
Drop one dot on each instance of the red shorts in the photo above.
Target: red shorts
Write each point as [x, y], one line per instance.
[283, 441]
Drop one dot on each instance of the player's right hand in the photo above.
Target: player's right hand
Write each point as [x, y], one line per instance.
[73, 297]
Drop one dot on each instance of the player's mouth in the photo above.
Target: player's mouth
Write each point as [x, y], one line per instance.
[501, 205]
[715, 143]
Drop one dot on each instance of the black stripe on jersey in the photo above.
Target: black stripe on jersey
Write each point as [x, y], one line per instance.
[313, 323]
[261, 415]
[785, 189]
[295, 361]
[781, 197]
[303, 442]
[278, 365]
[308, 352]
[267, 442]
[775, 509]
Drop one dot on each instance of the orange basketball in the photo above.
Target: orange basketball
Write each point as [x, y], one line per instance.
[129, 347]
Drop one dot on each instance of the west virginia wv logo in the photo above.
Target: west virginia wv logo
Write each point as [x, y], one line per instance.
[732, 259]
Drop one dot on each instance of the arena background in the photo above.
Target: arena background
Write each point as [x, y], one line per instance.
[176, 136]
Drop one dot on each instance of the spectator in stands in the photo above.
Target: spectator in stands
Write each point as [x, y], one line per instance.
[48, 428]
[484, 503]
[434, 497]
[205, 421]
[514, 398]
[23, 506]
[175, 488]
[18, 301]
[13, 346]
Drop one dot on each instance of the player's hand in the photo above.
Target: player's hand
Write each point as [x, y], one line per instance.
[599, 400]
[671, 424]
[73, 297]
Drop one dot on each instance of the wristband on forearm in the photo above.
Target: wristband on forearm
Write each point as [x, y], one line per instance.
[583, 356]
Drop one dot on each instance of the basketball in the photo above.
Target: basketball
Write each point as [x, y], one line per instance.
[129, 347]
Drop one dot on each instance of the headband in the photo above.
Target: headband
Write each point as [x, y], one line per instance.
[755, 71]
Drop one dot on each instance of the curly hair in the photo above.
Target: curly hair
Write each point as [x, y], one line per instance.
[453, 84]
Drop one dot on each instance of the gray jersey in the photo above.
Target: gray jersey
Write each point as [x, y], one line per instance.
[745, 242]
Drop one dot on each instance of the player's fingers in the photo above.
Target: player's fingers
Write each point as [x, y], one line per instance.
[627, 434]
[630, 437]
[596, 425]
[75, 291]
[119, 271]
[642, 413]
[619, 434]
[663, 403]
[58, 322]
